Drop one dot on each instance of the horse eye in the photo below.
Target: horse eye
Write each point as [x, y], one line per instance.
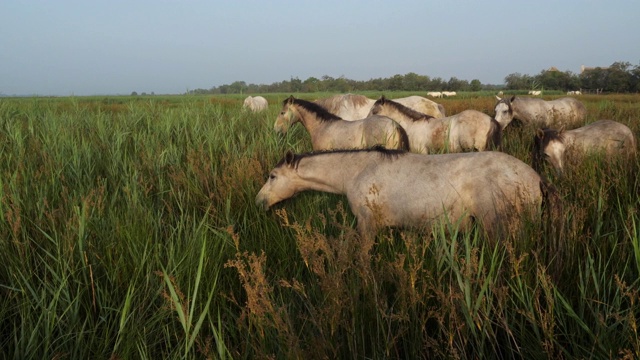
[272, 177]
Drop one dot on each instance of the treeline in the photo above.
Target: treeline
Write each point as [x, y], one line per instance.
[407, 82]
[620, 77]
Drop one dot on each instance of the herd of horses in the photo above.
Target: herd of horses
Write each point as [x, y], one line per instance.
[404, 163]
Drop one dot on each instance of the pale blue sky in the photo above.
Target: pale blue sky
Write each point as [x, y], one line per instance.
[97, 47]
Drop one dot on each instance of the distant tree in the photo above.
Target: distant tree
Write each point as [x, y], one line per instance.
[517, 81]
[134, 93]
[311, 85]
[237, 87]
[295, 84]
[436, 84]
[557, 80]
[593, 79]
[634, 79]
[396, 83]
[341, 85]
[455, 84]
[618, 77]
[475, 85]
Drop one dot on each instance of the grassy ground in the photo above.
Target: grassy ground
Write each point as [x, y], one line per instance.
[128, 230]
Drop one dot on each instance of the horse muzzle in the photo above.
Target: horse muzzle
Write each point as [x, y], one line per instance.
[262, 202]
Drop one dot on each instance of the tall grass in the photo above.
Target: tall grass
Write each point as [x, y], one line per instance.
[128, 230]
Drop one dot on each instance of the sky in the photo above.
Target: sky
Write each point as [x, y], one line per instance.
[115, 47]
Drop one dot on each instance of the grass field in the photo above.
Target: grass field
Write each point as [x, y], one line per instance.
[128, 230]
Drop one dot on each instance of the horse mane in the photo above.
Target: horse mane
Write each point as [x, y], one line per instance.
[384, 152]
[322, 113]
[407, 111]
[334, 103]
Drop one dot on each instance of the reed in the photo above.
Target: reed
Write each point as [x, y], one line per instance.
[128, 230]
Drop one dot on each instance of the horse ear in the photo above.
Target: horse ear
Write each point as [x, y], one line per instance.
[290, 99]
[513, 98]
[540, 133]
[288, 157]
[498, 97]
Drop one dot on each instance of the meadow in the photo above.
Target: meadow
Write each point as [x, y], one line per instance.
[128, 230]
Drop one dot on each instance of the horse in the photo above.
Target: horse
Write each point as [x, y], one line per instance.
[423, 105]
[329, 131]
[356, 107]
[535, 92]
[347, 106]
[565, 111]
[255, 103]
[604, 136]
[435, 94]
[467, 131]
[401, 189]
[449, 93]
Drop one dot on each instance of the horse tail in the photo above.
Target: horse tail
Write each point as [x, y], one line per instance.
[403, 137]
[494, 136]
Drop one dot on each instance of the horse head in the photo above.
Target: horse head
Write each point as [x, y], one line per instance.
[281, 183]
[504, 111]
[548, 145]
[286, 117]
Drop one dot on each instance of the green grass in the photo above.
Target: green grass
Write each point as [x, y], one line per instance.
[128, 230]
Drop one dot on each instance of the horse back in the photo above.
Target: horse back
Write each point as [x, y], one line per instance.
[490, 187]
[608, 135]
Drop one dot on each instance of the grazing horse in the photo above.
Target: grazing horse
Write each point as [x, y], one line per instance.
[565, 111]
[329, 131]
[255, 103]
[535, 92]
[347, 106]
[435, 94]
[396, 188]
[356, 107]
[467, 131]
[604, 136]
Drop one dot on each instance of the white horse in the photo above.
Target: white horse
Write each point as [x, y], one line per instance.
[396, 188]
[255, 103]
[566, 111]
[435, 94]
[468, 130]
[355, 107]
[605, 136]
[329, 131]
[449, 93]
[535, 92]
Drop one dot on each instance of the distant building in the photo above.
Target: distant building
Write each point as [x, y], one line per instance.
[587, 68]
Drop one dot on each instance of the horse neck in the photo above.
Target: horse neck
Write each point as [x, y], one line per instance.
[331, 172]
[397, 115]
[308, 119]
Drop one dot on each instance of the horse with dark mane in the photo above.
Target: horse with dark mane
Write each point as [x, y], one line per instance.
[566, 111]
[467, 131]
[607, 137]
[397, 188]
[356, 107]
[329, 131]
